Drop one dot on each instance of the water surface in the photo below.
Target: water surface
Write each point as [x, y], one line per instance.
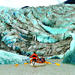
[49, 69]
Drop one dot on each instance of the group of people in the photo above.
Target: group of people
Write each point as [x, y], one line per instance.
[35, 58]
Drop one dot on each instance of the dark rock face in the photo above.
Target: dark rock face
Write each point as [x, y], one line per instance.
[70, 2]
[0, 37]
[24, 7]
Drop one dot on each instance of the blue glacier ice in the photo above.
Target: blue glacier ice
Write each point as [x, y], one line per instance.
[69, 56]
[12, 58]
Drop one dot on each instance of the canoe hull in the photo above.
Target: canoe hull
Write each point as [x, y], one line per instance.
[37, 64]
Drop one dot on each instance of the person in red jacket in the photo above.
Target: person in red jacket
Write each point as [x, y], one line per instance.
[34, 57]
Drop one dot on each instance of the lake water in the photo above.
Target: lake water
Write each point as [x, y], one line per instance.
[49, 69]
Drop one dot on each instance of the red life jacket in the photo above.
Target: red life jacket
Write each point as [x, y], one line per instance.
[34, 56]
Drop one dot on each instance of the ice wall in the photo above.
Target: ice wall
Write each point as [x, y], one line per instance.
[69, 56]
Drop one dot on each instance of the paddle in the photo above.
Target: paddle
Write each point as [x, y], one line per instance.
[26, 63]
[57, 64]
[16, 65]
[49, 62]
